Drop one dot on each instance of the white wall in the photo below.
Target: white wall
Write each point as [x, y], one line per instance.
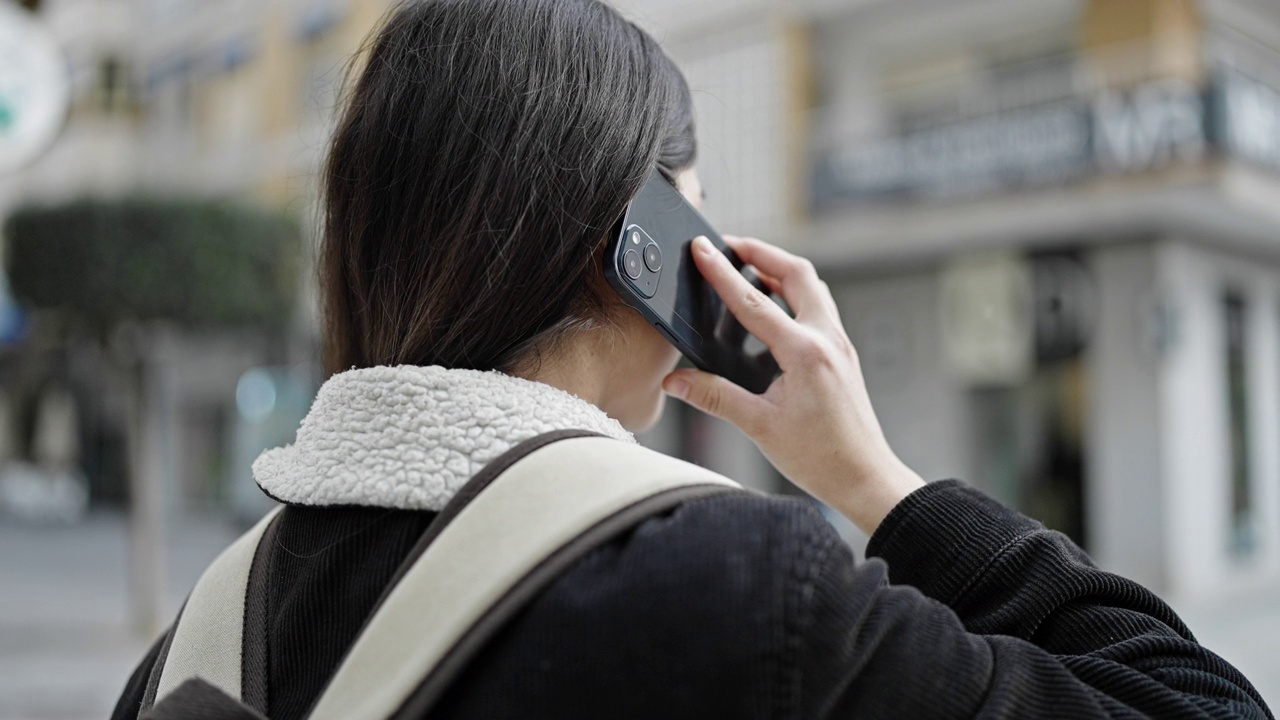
[1196, 452]
[893, 321]
[738, 77]
[1124, 478]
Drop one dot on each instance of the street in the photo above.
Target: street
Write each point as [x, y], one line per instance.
[66, 646]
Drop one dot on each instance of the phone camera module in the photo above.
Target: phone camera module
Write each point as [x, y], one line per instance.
[631, 263]
[653, 257]
[639, 261]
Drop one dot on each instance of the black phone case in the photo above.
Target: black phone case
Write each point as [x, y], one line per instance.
[675, 298]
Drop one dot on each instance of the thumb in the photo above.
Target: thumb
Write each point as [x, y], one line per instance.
[712, 395]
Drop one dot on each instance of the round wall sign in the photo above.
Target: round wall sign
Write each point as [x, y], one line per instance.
[34, 87]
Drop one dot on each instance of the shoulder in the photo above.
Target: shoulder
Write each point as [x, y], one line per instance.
[699, 608]
[743, 539]
[728, 570]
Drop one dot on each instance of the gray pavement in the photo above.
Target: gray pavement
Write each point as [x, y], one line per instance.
[66, 647]
[1245, 632]
[66, 641]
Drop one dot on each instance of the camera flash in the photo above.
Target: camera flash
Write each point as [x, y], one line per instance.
[635, 237]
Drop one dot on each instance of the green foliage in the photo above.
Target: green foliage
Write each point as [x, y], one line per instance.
[194, 262]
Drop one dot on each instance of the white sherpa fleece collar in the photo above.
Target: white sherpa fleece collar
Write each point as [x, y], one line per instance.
[410, 437]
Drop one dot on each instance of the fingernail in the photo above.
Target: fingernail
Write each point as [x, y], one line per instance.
[677, 388]
[703, 245]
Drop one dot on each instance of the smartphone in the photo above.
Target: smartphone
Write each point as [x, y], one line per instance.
[649, 263]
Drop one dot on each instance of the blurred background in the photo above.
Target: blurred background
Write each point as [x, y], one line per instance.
[1053, 227]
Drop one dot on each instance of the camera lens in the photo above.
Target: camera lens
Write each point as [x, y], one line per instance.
[653, 257]
[631, 263]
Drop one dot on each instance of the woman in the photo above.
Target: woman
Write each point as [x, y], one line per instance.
[485, 154]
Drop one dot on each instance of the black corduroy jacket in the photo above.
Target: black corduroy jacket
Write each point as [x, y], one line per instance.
[743, 606]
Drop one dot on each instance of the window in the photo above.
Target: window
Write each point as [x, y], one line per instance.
[113, 85]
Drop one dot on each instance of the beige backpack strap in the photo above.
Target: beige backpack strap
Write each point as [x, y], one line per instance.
[206, 641]
[546, 509]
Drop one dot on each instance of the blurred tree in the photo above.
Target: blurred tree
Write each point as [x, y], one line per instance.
[195, 263]
[128, 271]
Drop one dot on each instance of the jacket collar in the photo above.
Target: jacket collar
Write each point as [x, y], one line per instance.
[410, 437]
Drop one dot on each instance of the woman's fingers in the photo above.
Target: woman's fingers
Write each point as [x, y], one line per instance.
[757, 313]
[716, 396]
[815, 423]
[803, 290]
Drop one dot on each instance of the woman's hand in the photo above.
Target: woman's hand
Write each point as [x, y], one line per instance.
[815, 422]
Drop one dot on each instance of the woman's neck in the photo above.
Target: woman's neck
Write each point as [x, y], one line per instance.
[578, 366]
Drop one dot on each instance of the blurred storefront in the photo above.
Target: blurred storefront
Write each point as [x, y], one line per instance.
[1054, 225]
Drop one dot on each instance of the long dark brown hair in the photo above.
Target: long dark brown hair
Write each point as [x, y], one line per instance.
[485, 151]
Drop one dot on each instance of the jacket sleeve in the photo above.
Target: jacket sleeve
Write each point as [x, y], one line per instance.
[991, 615]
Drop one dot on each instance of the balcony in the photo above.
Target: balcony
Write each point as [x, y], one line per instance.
[1057, 119]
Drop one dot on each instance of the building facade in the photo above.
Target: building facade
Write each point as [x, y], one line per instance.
[1053, 226]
